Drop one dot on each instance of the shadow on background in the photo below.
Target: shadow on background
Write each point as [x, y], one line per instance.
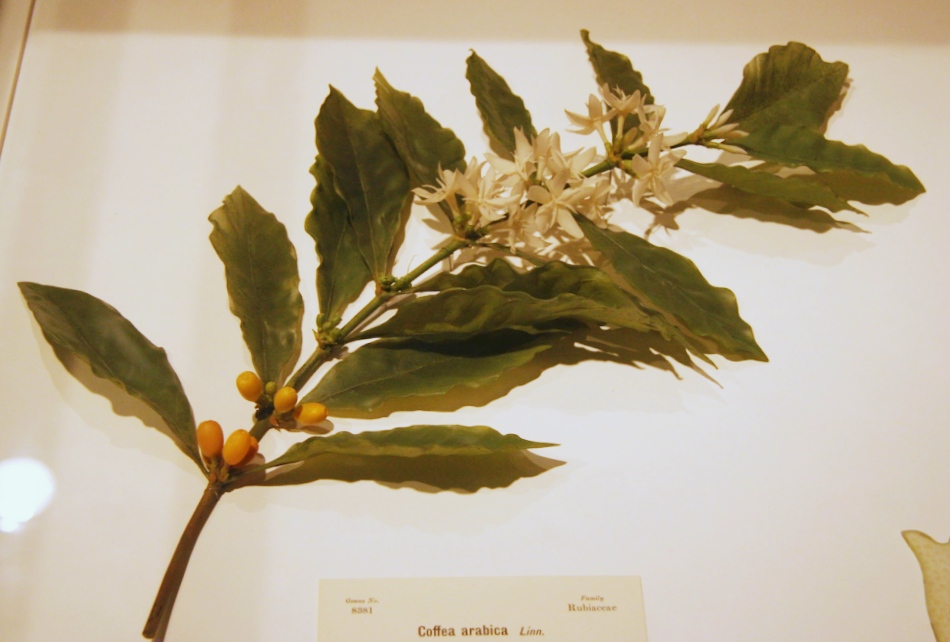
[726, 21]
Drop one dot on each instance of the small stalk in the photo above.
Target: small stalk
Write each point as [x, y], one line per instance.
[161, 613]
[309, 367]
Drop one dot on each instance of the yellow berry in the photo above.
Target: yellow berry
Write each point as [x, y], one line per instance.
[310, 414]
[210, 438]
[285, 399]
[250, 386]
[240, 448]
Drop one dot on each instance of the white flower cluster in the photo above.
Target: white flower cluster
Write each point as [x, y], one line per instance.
[538, 192]
[533, 195]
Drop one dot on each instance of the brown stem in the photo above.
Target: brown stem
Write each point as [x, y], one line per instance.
[161, 612]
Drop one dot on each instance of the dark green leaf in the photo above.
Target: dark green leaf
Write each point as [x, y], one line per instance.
[501, 110]
[673, 285]
[733, 202]
[796, 146]
[389, 369]
[498, 273]
[788, 85]
[421, 141]
[457, 314]
[115, 350]
[565, 287]
[369, 175]
[261, 269]
[426, 473]
[615, 70]
[872, 189]
[342, 273]
[409, 441]
[797, 190]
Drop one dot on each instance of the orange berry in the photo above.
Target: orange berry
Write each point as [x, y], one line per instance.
[249, 385]
[310, 414]
[240, 448]
[210, 439]
[285, 399]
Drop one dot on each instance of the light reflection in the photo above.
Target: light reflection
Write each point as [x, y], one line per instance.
[26, 488]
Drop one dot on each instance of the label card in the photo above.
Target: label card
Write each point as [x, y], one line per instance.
[555, 609]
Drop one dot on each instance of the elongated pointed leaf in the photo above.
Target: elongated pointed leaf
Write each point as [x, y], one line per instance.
[342, 273]
[502, 111]
[873, 189]
[672, 284]
[260, 266]
[796, 146]
[409, 441]
[788, 85]
[614, 69]
[423, 144]
[94, 331]
[370, 176]
[458, 314]
[389, 369]
[604, 302]
[792, 189]
[427, 473]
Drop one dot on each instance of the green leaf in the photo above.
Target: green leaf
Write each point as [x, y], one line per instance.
[423, 144]
[501, 110]
[426, 473]
[370, 176]
[498, 273]
[797, 190]
[730, 201]
[788, 85]
[342, 273]
[672, 284]
[458, 314]
[873, 189]
[409, 441]
[389, 369]
[797, 146]
[615, 70]
[564, 287]
[95, 332]
[261, 270]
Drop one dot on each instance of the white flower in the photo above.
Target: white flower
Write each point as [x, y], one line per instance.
[558, 202]
[721, 127]
[651, 118]
[621, 102]
[485, 197]
[447, 190]
[652, 170]
[521, 168]
[573, 162]
[596, 117]
[594, 205]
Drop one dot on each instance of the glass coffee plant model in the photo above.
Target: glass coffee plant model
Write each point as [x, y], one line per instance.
[543, 267]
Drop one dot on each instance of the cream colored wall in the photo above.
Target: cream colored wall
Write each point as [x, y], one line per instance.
[767, 508]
